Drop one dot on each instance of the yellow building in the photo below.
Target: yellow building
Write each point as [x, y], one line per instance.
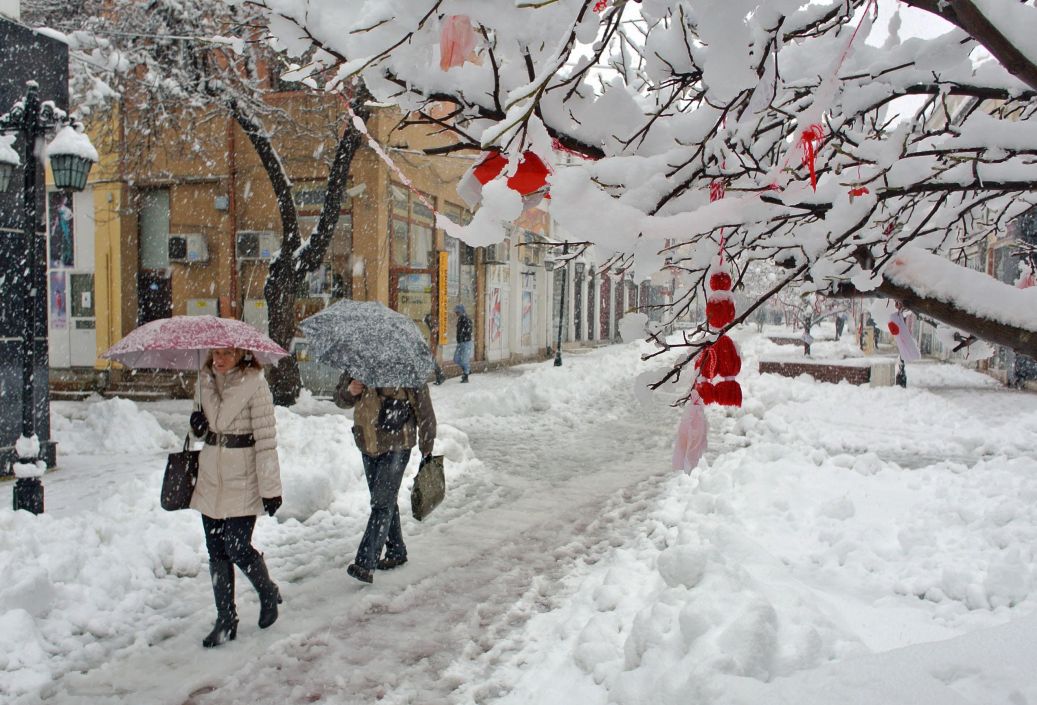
[186, 222]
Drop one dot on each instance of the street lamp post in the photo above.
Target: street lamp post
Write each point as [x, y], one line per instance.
[71, 156]
[561, 305]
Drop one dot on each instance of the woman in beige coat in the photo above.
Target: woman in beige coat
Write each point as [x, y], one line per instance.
[238, 478]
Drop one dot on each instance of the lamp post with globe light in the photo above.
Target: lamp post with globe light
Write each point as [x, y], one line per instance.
[71, 155]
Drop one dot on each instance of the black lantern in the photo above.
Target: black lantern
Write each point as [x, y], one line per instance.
[70, 171]
[71, 156]
[9, 162]
[6, 172]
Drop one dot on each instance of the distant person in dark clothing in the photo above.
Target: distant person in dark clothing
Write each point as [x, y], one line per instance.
[840, 323]
[465, 345]
[433, 328]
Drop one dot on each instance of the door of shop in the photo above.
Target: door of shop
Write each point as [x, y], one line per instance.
[412, 293]
[154, 288]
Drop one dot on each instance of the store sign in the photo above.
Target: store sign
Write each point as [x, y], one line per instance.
[443, 269]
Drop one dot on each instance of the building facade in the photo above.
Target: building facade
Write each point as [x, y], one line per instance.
[171, 226]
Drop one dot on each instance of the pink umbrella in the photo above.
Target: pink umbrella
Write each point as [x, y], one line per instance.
[182, 343]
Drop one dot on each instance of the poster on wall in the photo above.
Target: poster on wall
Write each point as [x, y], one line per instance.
[494, 319]
[61, 236]
[58, 301]
[527, 318]
[453, 272]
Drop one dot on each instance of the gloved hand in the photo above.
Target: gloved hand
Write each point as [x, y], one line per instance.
[271, 505]
[199, 424]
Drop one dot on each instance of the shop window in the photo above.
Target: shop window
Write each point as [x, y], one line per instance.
[461, 271]
[411, 228]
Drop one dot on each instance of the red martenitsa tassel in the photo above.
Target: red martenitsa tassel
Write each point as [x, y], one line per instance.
[814, 133]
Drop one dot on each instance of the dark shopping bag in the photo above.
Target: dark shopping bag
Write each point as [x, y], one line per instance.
[429, 487]
[180, 478]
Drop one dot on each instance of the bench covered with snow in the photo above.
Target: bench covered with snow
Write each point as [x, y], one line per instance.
[878, 372]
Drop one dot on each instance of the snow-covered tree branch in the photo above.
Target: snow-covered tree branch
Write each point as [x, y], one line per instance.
[794, 113]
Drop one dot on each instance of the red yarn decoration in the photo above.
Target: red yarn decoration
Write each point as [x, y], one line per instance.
[729, 393]
[706, 363]
[720, 312]
[720, 281]
[814, 133]
[707, 391]
[729, 363]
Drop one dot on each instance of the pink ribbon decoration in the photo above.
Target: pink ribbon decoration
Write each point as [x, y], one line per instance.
[691, 440]
[456, 41]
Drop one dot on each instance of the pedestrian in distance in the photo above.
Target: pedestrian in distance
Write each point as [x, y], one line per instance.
[433, 326]
[465, 346]
[239, 477]
[387, 423]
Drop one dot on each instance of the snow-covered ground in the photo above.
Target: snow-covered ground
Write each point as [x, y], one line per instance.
[838, 544]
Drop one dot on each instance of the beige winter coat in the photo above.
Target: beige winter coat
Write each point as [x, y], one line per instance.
[233, 481]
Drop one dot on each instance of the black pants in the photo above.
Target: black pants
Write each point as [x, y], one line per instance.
[230, 539]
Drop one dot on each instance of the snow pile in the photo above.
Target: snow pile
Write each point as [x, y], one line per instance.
[86, 586]
[109, 426]
[117, 575]
[836, 544]
[319, 461]
[839, 521]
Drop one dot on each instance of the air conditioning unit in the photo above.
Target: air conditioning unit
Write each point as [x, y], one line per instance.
[202, 307]
[189, 248]
[256, 244]
[494, 255]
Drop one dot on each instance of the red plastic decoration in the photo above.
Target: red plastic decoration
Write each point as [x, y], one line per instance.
[893, 328]
[530, 176]
[720, 281]
[814, 133]
[456, 42]
[720, 312]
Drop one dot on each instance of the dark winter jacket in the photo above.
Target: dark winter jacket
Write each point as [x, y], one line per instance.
[464, 328]
[373, 431]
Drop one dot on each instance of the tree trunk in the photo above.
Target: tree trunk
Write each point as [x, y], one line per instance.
[295, 259]
[279, 292]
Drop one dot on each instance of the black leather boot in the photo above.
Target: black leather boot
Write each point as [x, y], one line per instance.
[226, 627]
[269, 595]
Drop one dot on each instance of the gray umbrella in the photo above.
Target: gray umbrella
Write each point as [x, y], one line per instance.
[376, 345]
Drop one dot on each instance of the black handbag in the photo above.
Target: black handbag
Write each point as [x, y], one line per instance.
[429, 487]
[179, 479]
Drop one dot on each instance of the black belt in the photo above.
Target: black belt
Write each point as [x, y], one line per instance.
[230, 440]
